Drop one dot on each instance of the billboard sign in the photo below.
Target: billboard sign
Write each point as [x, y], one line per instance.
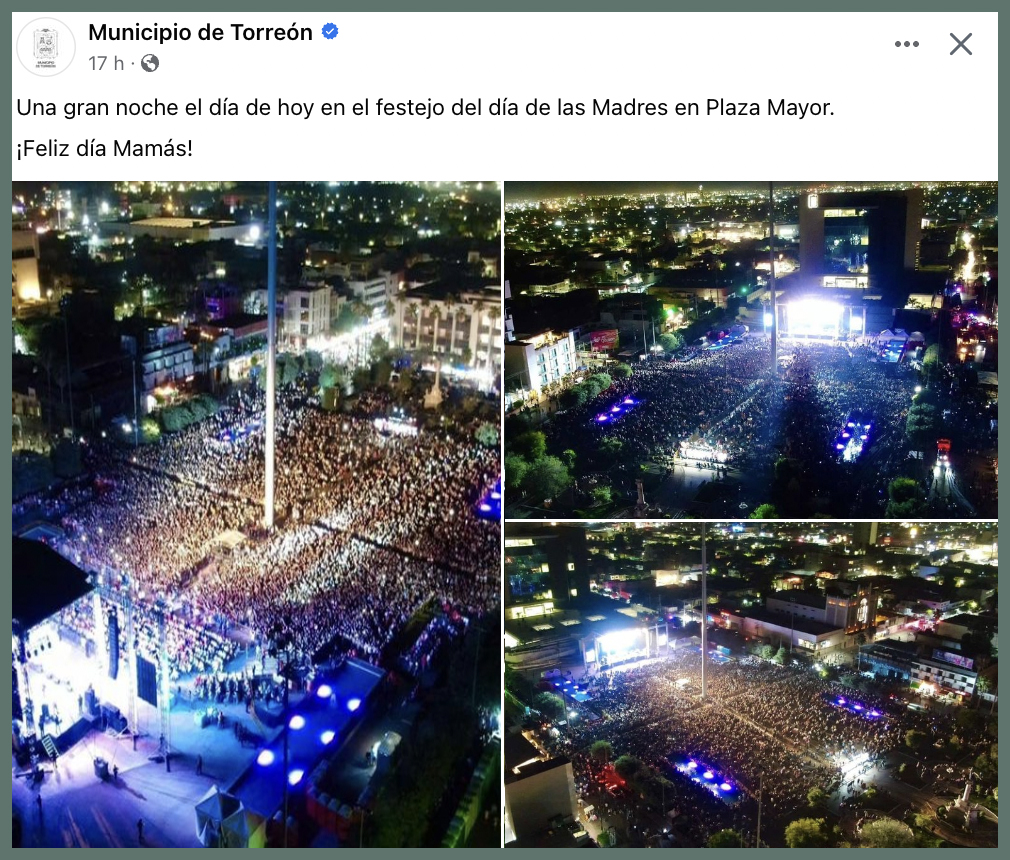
[603, 341]
[953, 659]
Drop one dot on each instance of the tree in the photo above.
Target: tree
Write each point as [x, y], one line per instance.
[916, 740]
[931, 355]
[487, 435]
[982, 686]
[764, 512]
[886, 833]
[725, 839]
[806, 833]
[621, 371]
[922, 423]
[670, 342]
[551, 705]
[601, 381]
[602, 495]
[532, 445]
[817, 796]
[149, 430]
[330, 375]
[546, 478]
[767, 651]
[977, 644]
[287, 370]
[573, 397]
[904, 498]
[379, 349]
[628, 767]
[516, 469]
[987, 764]
[611, 446]
[780, 655]
[568, 457]
[601, 751]
[969, 721]
[313, 360]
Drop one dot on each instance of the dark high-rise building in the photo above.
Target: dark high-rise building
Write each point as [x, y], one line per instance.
[546, 564]
[860, 242]
[864, 534]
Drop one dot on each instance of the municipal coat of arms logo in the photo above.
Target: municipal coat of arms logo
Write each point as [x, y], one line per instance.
[46, 44]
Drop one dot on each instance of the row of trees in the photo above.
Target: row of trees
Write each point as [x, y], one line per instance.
[591, 387]
[176, 418]
[530, 469]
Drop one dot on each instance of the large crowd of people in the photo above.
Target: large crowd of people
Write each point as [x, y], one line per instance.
[766, 728]
[729, 403]
[369, 526]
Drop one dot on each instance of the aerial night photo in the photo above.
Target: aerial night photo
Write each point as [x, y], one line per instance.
[750, 349]
[256, 514]
[749, 684]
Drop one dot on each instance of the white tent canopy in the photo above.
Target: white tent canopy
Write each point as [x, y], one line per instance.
[213, 808]
[244, 829]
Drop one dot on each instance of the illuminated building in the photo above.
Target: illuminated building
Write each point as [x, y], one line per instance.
[306, 314]
[375, 292]
[803, 633]
[847, 611]
[534, 362]
[538, 793]
[185, 229]
[24, 269]
[461, 328]
[935, 673]
[860, 240]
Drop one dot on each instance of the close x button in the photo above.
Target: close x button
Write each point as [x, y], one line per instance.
[961, 45]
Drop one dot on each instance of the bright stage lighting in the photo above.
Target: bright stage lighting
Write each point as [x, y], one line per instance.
[353, 705]
[327, 737]
[725, 786]
[814, 318]
[297, 722]
[708, 774]
[295, 776]
[620, 641]
[324, 691]
[265, 758]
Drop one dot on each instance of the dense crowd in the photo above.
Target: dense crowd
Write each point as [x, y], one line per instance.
[369, 527]
[729, 403]
[777, 729]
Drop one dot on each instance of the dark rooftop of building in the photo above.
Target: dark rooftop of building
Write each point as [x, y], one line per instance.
[518, 750]
[781, 619]
[535, 768]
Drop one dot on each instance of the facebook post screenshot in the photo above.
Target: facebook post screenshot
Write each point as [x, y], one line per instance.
[468, 429]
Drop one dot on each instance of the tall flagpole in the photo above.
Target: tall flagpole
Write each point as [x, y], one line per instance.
[704, 613]
[771, 276]
[268, 499]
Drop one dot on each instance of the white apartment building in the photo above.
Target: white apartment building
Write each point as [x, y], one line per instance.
[463, 331]
[375, 291]
[534, 362]
[306, 314]
[24, 268]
